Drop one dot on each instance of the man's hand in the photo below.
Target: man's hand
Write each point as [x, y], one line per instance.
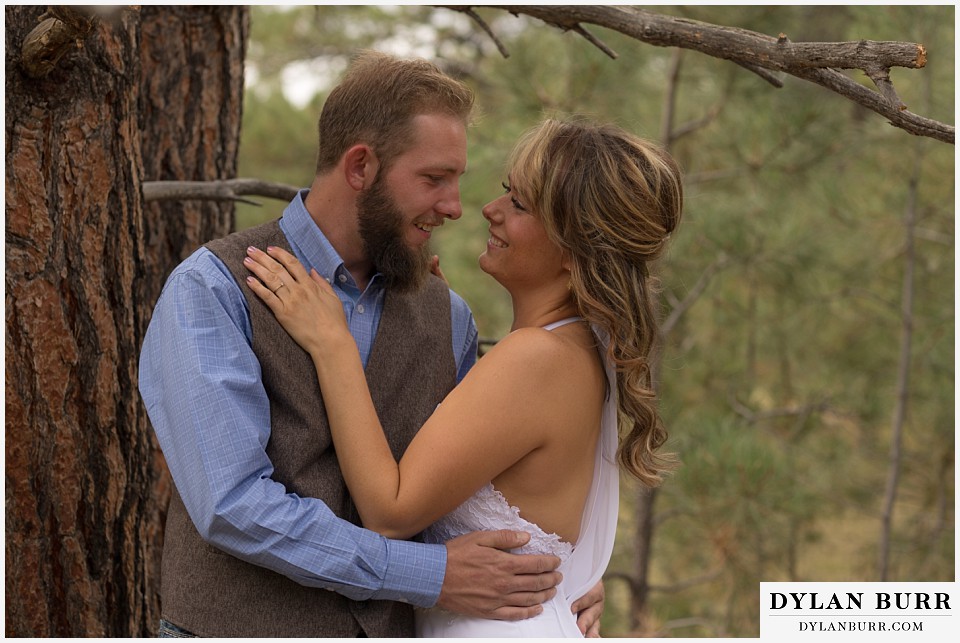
[481, 580]
[588, 609]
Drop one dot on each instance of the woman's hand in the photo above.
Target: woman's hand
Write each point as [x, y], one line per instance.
[435, 268]
[305, 305]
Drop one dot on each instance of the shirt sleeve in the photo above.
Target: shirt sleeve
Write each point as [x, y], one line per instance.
[465, 339]
[201, 384]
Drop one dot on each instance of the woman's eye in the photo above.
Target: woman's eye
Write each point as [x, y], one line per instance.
[513, 199]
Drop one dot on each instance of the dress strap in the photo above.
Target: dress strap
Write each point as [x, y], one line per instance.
[562, 322]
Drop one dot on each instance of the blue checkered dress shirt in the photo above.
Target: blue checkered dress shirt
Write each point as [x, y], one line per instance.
[201, 385]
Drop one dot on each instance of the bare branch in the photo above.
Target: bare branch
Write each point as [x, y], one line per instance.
[670, 99]
[762, 73]
[227, 190]
[905, 120]
[483, 25]
[881, 78]
[815, 62]
[861, 54]
[730, 43]
[621, 576]
[692, 126]
[694, 293]
[596, 42]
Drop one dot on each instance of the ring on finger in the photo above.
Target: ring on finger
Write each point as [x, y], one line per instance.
[277, 289]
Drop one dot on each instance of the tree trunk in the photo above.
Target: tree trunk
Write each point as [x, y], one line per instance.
[192, 101]
[903, 372]
[86, 488]
[79, 474]
[646, 497]
[639, 600]
[191, 105]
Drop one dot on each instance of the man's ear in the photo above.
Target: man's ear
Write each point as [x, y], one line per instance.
[360, 166]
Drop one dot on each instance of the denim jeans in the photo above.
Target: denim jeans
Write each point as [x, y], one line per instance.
[170, 631]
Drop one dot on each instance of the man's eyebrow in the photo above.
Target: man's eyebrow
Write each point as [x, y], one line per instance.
[446, 170]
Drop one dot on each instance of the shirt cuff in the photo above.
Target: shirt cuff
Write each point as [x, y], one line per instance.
[414, 573]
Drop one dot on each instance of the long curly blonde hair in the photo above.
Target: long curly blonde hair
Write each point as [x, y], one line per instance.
[610, 200]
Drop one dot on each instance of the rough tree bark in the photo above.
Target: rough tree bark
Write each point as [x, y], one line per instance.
[192, 102]
[79, 475]
[85, 486]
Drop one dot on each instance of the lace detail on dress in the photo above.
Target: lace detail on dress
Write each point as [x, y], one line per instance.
[487, 509]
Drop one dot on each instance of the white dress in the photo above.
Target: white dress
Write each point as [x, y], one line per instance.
[583, 564]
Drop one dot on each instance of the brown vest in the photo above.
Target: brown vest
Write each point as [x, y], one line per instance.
[410, 370]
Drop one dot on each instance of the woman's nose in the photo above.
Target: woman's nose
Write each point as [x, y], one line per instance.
[489, 211]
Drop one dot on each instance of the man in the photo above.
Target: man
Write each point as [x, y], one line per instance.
[261, 535]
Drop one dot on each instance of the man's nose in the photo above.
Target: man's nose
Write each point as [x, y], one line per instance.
[451, 207]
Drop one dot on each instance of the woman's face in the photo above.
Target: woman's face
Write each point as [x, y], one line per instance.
[518, 250]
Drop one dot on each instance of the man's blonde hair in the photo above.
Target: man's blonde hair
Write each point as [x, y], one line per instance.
[376, 103]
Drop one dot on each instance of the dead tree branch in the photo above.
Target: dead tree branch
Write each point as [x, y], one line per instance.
[621, 576]
[596, 42]
[483, 25]
[698, 288]
[227, 190]
[764, 55]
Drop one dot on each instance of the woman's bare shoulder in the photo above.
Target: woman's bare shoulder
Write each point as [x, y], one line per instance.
[539, 358]
[531, 349]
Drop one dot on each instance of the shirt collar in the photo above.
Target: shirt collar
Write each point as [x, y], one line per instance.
[310, 245]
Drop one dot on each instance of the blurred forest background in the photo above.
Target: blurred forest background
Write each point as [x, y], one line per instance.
[807, 363]
[807, 370]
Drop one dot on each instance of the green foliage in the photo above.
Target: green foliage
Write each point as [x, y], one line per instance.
[778, 383]
[277, 143]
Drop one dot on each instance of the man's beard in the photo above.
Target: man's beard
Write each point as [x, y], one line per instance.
[381, 229]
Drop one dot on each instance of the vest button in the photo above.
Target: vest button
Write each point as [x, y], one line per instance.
[360, 308]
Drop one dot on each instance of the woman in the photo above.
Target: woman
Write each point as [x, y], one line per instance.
[529, 439]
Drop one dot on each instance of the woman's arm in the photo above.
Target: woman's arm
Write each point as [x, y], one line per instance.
[489, 422]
